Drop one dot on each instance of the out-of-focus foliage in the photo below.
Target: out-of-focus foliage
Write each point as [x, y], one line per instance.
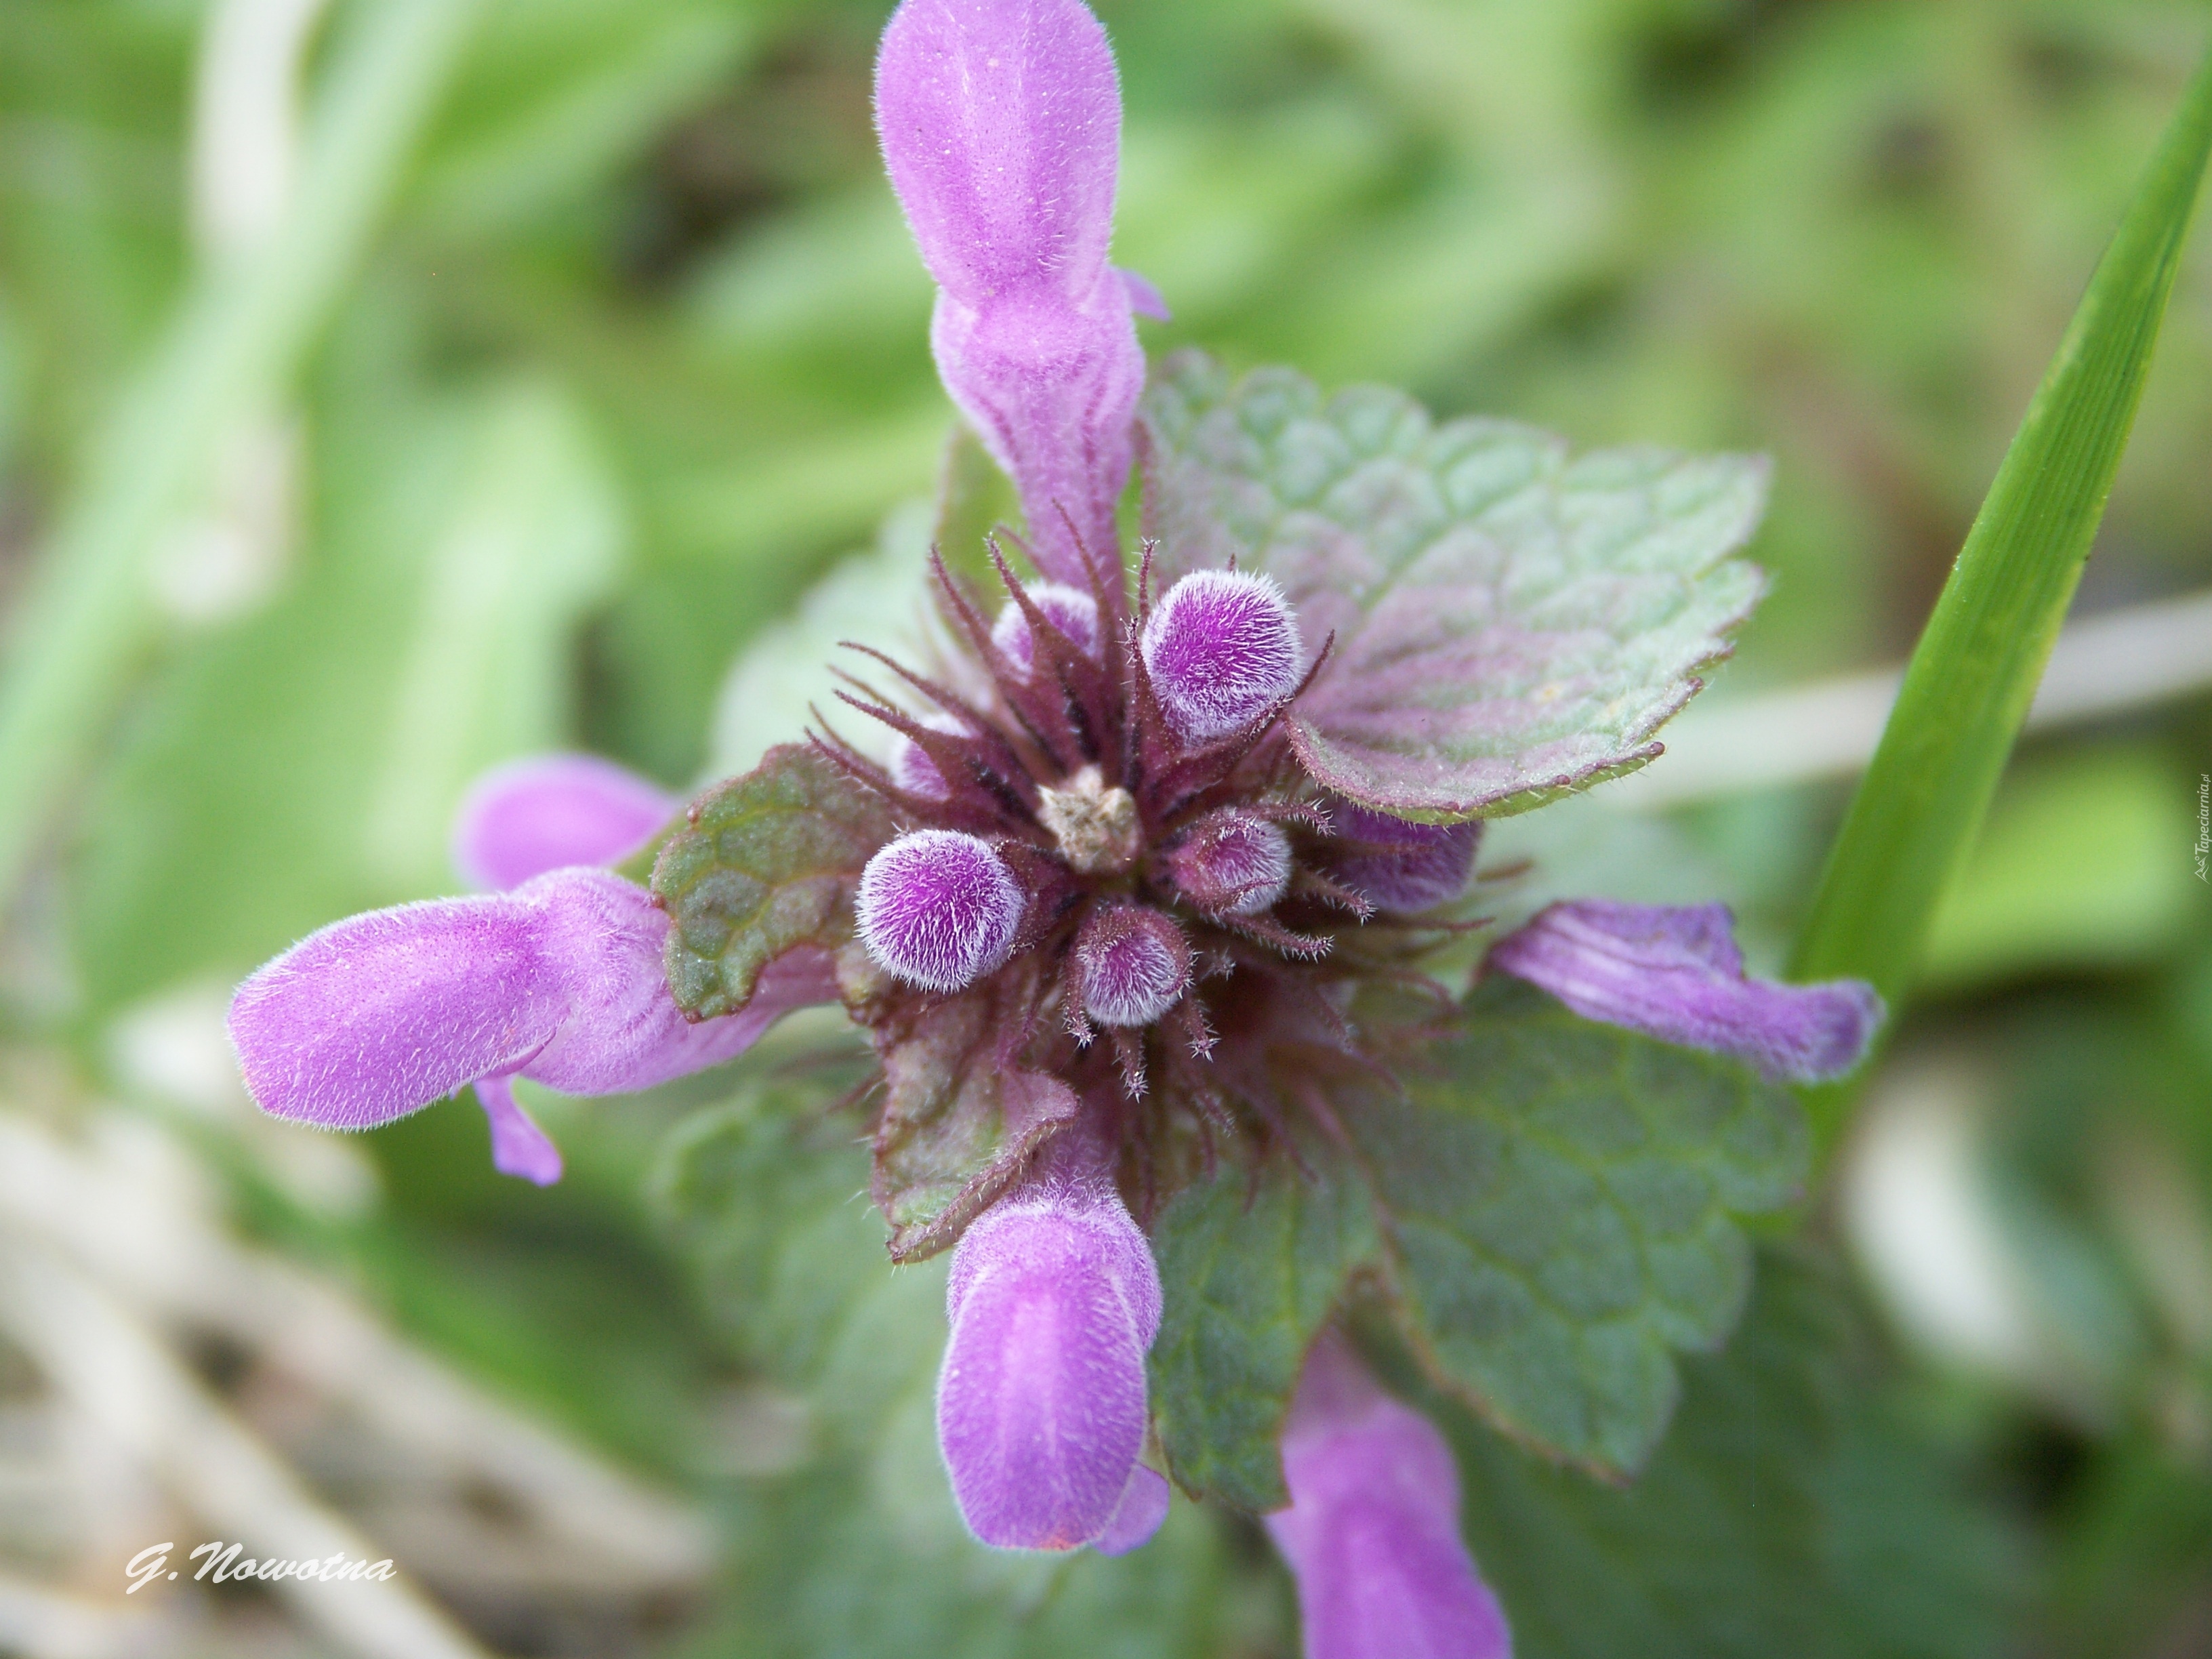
[637, 351]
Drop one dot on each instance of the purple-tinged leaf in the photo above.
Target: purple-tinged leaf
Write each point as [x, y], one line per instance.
[769, 862]
[962, 1112]
[1512, 624]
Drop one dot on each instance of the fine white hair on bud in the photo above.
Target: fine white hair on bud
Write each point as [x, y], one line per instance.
[939, 909]
[1221, 647]
[1231, 864]
[1132, 964]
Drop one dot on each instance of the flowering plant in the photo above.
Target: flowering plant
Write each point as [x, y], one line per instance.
[1151, 909]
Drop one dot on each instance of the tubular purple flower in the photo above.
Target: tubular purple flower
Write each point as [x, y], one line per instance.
[1053, 1301]
[1405, 866]
[1132, 964]
[551, 812]
[1676, 974]
[1372, 1533]
[1000, 122]
[1070, 610]
[1231, 864]
[1221, 647]
[939, 909]
[560, 982]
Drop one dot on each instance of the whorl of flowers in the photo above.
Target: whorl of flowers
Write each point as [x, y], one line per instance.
[1149, 881]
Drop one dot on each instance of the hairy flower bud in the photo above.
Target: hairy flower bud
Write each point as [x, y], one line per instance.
[939, 909]
[1372, 1533]
[909, 764]
[1132, 964]
[1222, 648]
[1404, 866]
[1231, 864]
[1070, 610]
[1053, 1301]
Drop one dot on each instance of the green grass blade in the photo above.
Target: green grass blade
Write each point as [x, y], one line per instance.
[1975, 671]
[86, 617]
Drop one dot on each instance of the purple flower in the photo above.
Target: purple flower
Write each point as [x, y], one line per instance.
[1676, 974]
[560, 981]
[1001, 123]
[1041, 1411]
[1222, 649]
[939, 909]
[1132, 964]
[1372, 1532]
[1400, 866]
[1071, 610]
[1231, 863]
[552, 811]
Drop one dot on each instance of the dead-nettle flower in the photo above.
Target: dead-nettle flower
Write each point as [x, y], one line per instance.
[1154, 871]
[1372, 1532]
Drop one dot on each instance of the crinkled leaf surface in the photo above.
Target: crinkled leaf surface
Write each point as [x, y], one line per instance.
[768, 861]
[1793, 1508]
[1559, 1199]
[961, 1114]
[1511, 623]
[1250, 1276]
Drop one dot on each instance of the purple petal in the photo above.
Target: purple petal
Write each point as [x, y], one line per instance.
[550, 811]
[1002, 127]
[560, 982]
[1676, 974]
[1040, 1409]
[379, 1014]
[1145, 299]
[1050, 384]
[1221, 647]
[939, 909]
[623, 1031]
[1404, 866]
[1144, 1506]
[519, 1146]
[1372, 1533]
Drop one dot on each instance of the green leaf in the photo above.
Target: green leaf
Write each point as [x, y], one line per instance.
[1510, 625]
[1250, 1274]
[767, 862]
[1975, 669]
[757, 1194]
[961, 1115]
[1792, 1509]
[1560, 1198]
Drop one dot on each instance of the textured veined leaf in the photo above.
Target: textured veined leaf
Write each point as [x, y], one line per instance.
[1561, 1203]
[1512, 623]
[767, 862]
[1249, 1274]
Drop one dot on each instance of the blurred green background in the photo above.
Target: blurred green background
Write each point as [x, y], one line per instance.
[492, 383]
